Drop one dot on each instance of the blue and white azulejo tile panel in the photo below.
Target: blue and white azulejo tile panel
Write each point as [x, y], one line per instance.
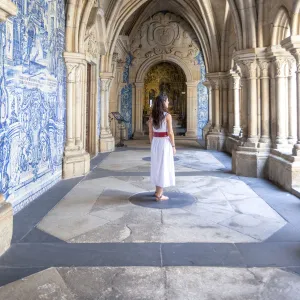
[32, 100]
[202, 95]
[126, 96]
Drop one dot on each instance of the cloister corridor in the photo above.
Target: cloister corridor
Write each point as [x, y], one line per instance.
[103, 236]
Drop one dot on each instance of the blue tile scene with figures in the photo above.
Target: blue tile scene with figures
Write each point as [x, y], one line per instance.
[126, 96]
[202, 95]
[32, 100]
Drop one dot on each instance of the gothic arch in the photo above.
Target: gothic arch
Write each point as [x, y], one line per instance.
[281, 26]
[146, 66]
[207, 36]
[192, 83]
[295, 27]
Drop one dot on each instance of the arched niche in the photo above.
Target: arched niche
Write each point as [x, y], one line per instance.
[138, 73]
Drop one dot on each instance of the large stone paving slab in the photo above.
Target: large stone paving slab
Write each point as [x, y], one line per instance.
[150, 283]
[136, 161]
[100, 210]
[46, 285]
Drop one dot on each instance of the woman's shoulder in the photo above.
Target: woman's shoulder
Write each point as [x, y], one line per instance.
[168, 116]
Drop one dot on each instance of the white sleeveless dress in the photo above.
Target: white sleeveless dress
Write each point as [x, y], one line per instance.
[162, 159]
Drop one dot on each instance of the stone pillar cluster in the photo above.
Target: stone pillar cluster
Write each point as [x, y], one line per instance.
[256, 112]
[106, 141]
[76, 161]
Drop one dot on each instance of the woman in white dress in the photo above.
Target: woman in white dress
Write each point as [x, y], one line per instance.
[162, 147]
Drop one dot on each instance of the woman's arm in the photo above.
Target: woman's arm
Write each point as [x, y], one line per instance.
[170, 130]
[150, 130]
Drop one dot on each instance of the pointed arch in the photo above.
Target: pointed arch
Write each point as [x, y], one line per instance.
[281, 26]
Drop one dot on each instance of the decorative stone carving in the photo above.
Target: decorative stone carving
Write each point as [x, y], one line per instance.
[91, 45]
[215, 83]
[164, 34]
[236, 82]
[225, 83]
[71, 70]
[105, 84]
[291, 67]
[264, 68]
[280, 65]
[115, 57]
[250, 68]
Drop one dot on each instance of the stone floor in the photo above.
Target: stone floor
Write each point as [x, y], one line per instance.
[103, 236]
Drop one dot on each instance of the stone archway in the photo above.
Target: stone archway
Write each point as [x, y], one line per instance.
[138, 93]
[169, 79]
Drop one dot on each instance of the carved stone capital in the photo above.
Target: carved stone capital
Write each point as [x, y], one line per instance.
[249, 68]
[215, 83]
[280, 64]
[291, 67]
[264, 66]
[105, 84]
[292, 44]
[224, 83]
[71, 71]
[236, 82]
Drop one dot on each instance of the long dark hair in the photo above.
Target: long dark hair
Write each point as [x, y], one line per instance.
[158, 110]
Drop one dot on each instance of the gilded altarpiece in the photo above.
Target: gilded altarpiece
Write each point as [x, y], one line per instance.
[169, 79]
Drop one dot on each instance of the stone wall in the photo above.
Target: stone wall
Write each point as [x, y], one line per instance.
[32, 99]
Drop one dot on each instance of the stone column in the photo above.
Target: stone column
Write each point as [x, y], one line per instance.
[296, 54]
[292, 99]
[76, 161]
[139, 104]
[133, 108]
[249, 67]
[244, 108]
[280, 96]
[292, 44]
[106, 141]
[236, 105]
[215, 139]
[265, 101]
[225, 103]
[215, 84]
[191, 109]
[77, 122]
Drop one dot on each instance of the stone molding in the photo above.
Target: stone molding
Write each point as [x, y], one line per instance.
[292, 44]
[7, 9]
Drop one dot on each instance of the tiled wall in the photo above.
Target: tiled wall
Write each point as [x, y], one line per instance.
[32, 100]
[126, 96]
[202, 98]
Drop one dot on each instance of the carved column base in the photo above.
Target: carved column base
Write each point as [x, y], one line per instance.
[75, 163]
[206, 129]
[106, 143]
[6, 224]
[250, 162]
[215, 141]
[284, 170]
[139, 134]
[231, 143]
[191, 134]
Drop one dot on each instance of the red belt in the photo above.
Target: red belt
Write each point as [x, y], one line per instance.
[160, 134]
